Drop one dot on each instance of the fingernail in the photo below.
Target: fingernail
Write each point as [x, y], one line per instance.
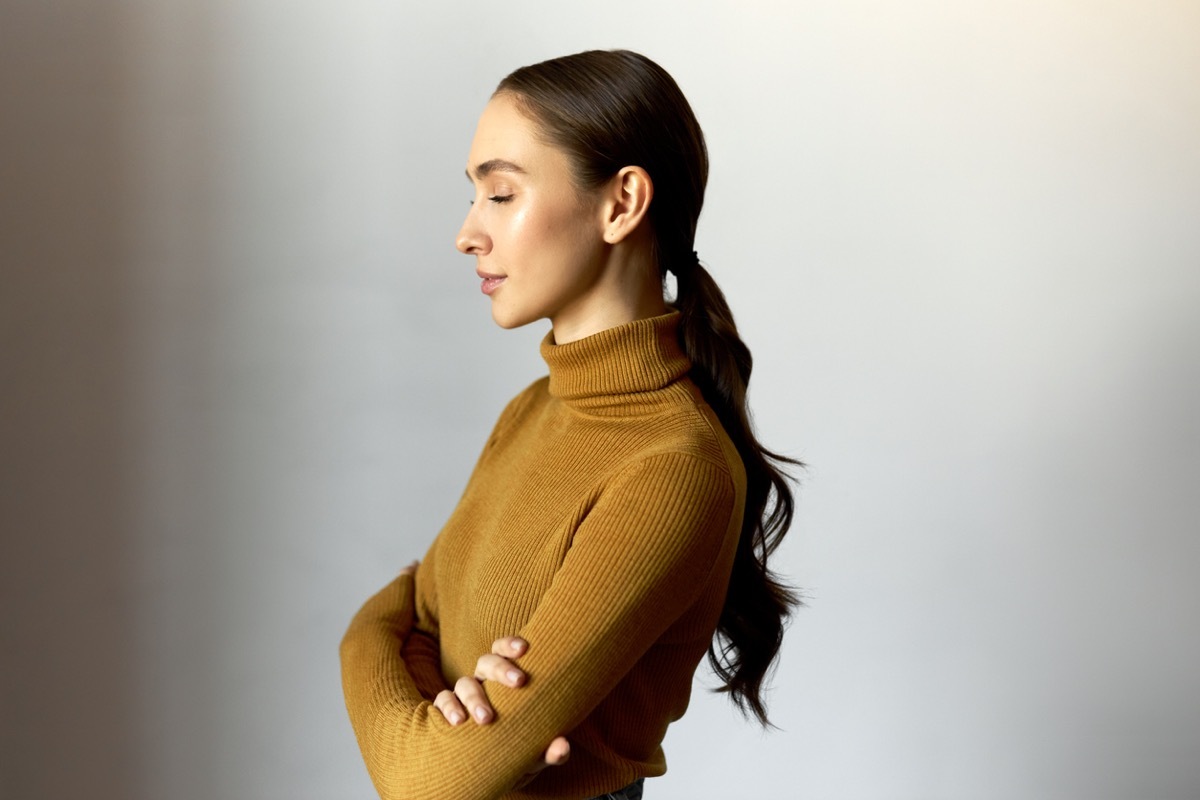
[514, 676]
[455, 717]
[481, 713]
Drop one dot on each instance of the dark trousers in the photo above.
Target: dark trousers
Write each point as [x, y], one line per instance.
[631, 792]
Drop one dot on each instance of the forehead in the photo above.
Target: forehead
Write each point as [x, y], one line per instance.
[505, 133]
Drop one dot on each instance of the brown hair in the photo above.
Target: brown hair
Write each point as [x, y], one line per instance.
[611, 109]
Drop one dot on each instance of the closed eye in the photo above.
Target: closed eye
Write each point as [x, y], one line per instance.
[499, 198]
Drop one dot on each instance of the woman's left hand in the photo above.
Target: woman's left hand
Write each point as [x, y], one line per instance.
[469, 694]
[468, 699]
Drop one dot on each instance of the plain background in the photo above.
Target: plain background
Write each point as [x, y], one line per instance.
[243, 374]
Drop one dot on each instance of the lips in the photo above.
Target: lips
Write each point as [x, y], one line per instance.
[490, 282]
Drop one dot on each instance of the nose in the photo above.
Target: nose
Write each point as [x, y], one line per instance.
[471, 239]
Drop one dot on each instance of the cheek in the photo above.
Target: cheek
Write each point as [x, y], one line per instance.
[569, 227]
[520, 228]
[540, 234]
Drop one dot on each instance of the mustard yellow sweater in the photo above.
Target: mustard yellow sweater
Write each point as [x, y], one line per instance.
[600, 524]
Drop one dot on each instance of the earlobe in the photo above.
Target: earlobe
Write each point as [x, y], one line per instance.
[629, 194]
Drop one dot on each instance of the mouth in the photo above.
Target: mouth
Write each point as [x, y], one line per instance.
[490, 282]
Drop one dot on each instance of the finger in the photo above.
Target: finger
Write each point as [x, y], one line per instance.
[472, 696]
[556, 755]
[411, 568]
[447, 703]
[499, 669]
[509, 646]
[558, 752]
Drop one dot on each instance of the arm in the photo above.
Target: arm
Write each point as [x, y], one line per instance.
[420, 654]
[420, 650]
[649, 543]
[405, 619]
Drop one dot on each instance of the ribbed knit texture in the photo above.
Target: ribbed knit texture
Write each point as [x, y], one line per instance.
[599, 524]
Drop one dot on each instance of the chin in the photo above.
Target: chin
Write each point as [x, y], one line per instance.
[508, 319]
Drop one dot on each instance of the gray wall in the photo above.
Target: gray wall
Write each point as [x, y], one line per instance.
[243, 375]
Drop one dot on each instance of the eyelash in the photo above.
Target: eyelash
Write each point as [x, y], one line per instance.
[499, 198]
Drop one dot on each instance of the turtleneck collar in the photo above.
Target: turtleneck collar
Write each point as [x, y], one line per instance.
[635, 358]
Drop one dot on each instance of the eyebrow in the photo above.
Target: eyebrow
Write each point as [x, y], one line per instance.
[494, 165]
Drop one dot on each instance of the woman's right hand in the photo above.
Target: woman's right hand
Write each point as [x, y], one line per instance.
[468, 693]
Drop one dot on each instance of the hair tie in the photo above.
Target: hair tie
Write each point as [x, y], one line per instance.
[686, 266]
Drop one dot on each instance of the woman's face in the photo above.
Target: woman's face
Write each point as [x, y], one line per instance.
[537, 241]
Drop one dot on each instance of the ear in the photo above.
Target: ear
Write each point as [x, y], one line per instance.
[626, 201]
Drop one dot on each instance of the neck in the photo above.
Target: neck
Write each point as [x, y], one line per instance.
[628, 288]
[606, 316]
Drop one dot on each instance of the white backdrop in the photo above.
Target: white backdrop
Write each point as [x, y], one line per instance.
[244, 374]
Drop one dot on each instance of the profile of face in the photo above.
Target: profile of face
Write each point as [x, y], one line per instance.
[538, 241]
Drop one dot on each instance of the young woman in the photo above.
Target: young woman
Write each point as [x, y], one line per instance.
[618, 522]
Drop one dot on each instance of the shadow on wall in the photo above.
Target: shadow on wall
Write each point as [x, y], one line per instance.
[68, 694]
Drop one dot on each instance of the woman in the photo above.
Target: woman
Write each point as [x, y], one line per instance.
[622, 510]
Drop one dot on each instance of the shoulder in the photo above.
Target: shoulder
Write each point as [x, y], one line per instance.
[688, 470]
[679, 472]
[692, 432]
[682, 506]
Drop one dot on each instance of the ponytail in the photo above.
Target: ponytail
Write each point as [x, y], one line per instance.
[750, 630]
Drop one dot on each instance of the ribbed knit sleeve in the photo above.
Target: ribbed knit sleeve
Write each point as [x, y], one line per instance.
[421, 652]
[642, 554]
[374, 676]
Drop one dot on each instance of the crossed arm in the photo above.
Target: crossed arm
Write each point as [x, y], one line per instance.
[468, 700]
[660, 528]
